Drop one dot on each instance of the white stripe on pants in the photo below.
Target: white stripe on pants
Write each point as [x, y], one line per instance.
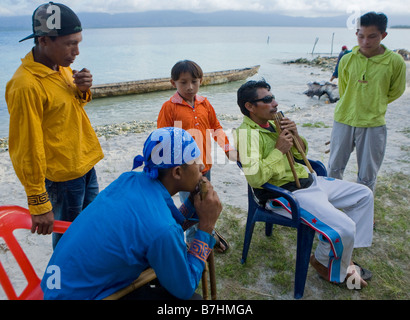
[345, 207]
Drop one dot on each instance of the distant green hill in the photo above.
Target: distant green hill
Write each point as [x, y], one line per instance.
[186, 18]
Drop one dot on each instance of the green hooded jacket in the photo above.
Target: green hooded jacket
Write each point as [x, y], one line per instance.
[261, 161]
[367, 85]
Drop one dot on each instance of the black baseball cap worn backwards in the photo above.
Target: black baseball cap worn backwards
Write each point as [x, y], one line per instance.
[53, 20]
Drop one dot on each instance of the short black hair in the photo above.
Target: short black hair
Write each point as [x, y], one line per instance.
[53, 38]
[248, 93]
[374, 19]
[186, 66]
[162, 172]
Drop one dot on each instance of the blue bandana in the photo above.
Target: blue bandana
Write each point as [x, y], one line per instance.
[166, 148]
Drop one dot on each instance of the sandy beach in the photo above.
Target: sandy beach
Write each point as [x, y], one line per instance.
[226, 177]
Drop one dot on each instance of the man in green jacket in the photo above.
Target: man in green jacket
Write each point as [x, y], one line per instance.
[370, 77]
[340, 211]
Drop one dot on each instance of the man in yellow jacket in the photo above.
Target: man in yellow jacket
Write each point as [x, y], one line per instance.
[370, 77]
[52, 145]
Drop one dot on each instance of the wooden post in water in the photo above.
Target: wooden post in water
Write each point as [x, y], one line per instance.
[317, 39]
[331, 50]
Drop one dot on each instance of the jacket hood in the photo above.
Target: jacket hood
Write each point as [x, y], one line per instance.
[380, 58]
[36, 68]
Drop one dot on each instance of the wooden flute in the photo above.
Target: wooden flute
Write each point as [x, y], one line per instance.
[289, 155]
[278, 118]
[210, 266]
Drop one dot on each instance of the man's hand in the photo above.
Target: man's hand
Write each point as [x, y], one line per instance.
[284, 142]
[83, 79]
[207, 209]
[290, 125]
[43, 223]
[289, 129]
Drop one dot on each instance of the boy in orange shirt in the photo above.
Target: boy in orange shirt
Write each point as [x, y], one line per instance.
[196, 115]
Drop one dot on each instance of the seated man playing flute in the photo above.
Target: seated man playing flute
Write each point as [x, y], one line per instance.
[340, 212]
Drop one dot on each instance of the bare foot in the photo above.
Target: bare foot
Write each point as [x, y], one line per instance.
[320, 268]
[353, 278]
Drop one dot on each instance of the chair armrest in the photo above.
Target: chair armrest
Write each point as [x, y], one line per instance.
[279, 192]
[317, 166]
[60, 226]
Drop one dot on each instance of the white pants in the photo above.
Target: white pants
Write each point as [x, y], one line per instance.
[341, 212]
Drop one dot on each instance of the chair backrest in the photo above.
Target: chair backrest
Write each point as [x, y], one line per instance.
[317, 166]
[13, 218]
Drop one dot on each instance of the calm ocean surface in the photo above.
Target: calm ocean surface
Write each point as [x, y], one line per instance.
[115, 55]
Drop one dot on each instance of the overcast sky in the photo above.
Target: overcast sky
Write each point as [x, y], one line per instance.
[307, 8]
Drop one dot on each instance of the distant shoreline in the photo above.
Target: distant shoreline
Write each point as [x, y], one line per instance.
[400, 27]
[85, 27]
[178, 18]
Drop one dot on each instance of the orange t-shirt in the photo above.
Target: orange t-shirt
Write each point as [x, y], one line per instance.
[200, 121]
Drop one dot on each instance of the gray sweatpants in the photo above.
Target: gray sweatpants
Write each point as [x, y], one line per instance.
[370, 144]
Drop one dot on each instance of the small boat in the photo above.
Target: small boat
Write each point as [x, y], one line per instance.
[161, 84]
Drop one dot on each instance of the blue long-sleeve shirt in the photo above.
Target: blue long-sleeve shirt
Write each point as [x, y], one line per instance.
[341, 54]
[133, 224]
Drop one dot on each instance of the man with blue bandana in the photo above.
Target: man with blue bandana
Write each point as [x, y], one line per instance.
[134, 224]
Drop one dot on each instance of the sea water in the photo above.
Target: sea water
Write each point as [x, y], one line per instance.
[126, 54]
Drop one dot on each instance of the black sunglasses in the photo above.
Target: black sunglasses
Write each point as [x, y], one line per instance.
[267, 99]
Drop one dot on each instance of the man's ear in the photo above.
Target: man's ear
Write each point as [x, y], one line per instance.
[43, 40]
[249, 106]
[176, 172]
[173, 83]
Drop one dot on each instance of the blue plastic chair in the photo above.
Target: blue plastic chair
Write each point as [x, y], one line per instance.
[305, 234]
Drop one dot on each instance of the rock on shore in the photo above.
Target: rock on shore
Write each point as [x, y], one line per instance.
[326, 63]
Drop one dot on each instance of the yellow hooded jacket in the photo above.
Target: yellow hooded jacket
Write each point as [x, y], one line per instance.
[50, 134]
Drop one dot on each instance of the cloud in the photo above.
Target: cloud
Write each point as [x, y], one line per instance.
[311, 8]
[114, 6]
